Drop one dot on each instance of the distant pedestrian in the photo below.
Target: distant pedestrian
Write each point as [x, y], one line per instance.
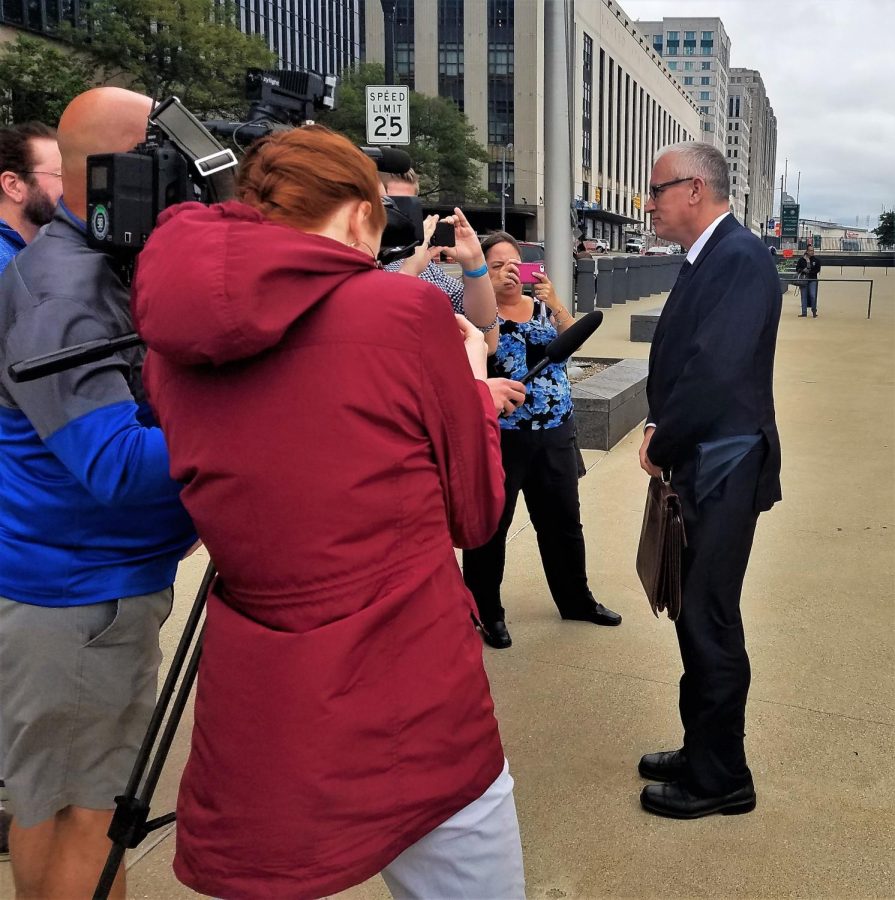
[806, 270]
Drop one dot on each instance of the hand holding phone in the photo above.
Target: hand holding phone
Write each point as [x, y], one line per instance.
[527, 270]
[444, 235]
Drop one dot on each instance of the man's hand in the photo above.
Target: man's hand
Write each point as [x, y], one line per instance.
[507, 395]
[466, 250]
[415, 264]
[476, 349]
[645, 463]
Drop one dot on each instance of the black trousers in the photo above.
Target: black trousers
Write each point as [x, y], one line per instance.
[542, 464]
[715, 683]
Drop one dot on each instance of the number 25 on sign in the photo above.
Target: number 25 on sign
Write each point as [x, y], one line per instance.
[387, 114]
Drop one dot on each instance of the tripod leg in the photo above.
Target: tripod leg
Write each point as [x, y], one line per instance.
[129, 825]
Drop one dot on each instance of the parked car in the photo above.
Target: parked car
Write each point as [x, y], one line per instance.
[659, 251]
[633, 245]
[596, 245]
[532, 251]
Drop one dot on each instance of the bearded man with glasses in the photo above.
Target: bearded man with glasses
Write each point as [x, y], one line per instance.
[30, 185]
[711, 427]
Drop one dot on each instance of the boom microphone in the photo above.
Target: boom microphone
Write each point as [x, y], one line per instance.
[565, 344]
[387, 159]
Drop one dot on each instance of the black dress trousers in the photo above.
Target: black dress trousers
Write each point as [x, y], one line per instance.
[716, 677]
[543, 464]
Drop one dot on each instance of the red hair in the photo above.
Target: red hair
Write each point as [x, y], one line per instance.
[301, 177]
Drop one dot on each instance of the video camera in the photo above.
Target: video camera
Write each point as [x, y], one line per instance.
[182, 160]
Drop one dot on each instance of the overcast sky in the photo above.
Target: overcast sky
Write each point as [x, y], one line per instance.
[829, 69]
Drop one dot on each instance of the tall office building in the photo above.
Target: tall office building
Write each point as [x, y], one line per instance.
[739, 132]
[762, 156]
[697, 50]
[488, 56]
[320, 35]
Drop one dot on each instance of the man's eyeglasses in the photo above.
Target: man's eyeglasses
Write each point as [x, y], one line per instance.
[656, 189]
[54, 174]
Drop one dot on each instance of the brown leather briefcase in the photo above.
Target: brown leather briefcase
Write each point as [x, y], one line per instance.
[662, 540]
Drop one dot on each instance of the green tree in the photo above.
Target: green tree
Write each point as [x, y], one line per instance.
[191, 48]
[37, 80]
[443, 147]
[885, 231]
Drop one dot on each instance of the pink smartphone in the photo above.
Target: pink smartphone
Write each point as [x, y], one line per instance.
[527, 270]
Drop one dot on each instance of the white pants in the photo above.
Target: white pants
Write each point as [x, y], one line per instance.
[474, 855]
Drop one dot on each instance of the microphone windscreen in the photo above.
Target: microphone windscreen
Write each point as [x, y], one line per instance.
[397, 162]
[563, 346]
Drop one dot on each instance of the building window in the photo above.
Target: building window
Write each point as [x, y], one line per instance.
[705, 95]
[705, 65]
[672, 36]
[689, 35]
[688, 66]
[500, 72]
[672, 67]
[708, 35]
[705, 80]
[704, 110]
[500, 112]
[587, 102]
[450, 50]
[688, 79]
[657, 44]
[706, 48]
[495, 176]
[404, 43]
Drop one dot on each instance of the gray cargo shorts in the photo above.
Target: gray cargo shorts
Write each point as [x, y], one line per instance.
[77, 689]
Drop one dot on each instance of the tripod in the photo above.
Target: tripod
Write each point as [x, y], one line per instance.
[130, 822]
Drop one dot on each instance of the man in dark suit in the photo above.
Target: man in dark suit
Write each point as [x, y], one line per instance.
[711, 425]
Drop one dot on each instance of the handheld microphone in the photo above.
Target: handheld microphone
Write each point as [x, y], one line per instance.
[565, 344]
[387, 159]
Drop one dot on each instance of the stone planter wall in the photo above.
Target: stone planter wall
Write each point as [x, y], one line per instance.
[609, 404]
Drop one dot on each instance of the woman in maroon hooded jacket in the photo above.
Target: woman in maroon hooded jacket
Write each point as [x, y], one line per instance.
[335, 442]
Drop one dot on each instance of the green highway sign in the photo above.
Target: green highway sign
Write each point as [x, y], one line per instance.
[789, 221]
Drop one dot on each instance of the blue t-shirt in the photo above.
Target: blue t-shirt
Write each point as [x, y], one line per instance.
[520, 346]
[11, 242]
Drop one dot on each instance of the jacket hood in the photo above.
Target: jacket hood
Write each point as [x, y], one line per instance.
[221, 283]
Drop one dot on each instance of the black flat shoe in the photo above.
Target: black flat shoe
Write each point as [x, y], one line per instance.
[676, 801]
[598, 614]
[496, 634]
[667, 765]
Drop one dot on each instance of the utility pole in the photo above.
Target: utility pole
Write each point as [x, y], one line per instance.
[388, 15]
[557, 150]
[503, 186]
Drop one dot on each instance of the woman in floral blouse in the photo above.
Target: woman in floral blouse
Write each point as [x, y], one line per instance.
[539, 452]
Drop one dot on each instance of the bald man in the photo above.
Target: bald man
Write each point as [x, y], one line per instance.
[91, 531]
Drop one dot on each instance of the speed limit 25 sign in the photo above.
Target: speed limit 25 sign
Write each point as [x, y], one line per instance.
[388, 114]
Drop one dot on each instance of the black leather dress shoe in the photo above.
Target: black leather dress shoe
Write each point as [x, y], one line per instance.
[667, 765]
[598, 614]
[496, 634]
[676, 801]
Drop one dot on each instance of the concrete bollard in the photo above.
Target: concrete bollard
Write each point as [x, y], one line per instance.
[620, 280]
[605, 270]
[585, 285]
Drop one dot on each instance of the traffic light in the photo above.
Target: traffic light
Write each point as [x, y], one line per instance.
[637, 201]
[597, 194]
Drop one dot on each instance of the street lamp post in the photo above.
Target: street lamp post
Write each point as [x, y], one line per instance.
[746, 206]
[388, 16]
[503, 186]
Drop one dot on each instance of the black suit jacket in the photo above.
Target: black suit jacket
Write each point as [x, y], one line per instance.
[711, 363]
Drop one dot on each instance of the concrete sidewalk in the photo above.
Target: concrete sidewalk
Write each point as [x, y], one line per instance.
[579, 704]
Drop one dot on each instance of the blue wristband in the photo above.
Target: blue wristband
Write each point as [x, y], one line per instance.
[477, 273]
